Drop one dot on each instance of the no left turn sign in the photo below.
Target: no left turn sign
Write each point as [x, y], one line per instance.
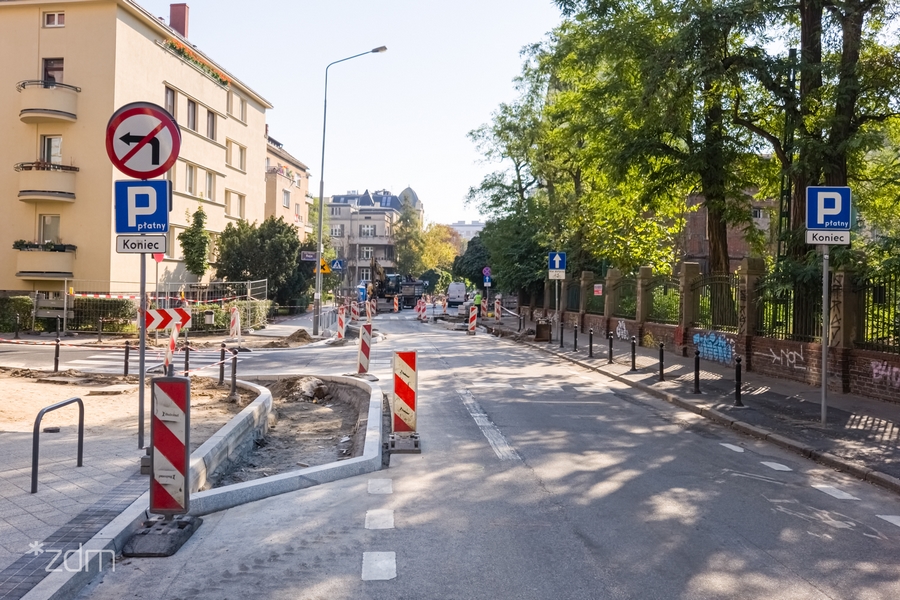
[142, 140]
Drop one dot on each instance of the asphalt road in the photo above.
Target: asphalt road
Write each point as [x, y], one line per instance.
[540, 480]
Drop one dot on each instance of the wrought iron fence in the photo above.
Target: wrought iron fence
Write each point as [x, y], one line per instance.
[624, 294]
[539, 299]
[596, 305]
[573, 296]
[789, 310]
[879, 315]
[717, 298]
[665, 300]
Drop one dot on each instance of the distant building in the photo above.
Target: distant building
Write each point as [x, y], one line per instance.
[362, 227]
[287, 187]
[467, 230]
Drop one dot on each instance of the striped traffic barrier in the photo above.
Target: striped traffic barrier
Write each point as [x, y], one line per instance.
[170, 440]
[374, 302]
[406, 389]
[497, 310]
[341, 323]
[445, 306]
[368, 312]
[365, 347]
[484, 307]
[354, 312]
[473, 317]
[396, 304]
[170, 349]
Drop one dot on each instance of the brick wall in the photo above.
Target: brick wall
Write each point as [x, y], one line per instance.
[874, 374]
[661, 333]
[797, 361]
[624, 329]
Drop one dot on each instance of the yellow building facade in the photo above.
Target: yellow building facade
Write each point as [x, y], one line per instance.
[66, 67]
[287, 189]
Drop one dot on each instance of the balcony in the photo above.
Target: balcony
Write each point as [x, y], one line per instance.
[47, 102]
[43, 182]
[43, 264]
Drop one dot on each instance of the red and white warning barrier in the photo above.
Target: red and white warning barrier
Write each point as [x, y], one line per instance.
[445, 306]
[235, 329]
[170, 440]
[354, 312]
[406, 387]
[497, 315]
[484, 307]
[473, 317]
[365, 347]
[342, 323]
[163, 318]
[170, 349]
[396, 304]
[374, 302]
[368, 312]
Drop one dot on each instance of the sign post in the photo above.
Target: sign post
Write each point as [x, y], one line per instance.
[142, 141]
[827, 224]
[557, 268]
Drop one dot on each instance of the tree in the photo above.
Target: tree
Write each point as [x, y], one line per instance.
[440, 245]
[469, 266]
[195, 243]
[408, 242]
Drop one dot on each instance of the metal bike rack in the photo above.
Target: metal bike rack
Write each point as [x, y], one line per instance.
[35, 444]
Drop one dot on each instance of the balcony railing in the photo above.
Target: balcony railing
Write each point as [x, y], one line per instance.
[43, 181]
[44, 101]
[40, 264]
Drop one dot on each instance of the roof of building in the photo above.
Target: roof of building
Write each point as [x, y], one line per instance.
[379, 199]
[276, 148]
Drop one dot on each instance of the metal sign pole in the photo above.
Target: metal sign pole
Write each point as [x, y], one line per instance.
[557, 304]
[142, 323]
[826, 310]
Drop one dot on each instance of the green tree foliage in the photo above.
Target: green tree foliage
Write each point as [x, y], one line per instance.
[440, 245]
[195, 243]
[469, 265]
[268, 251]
[408, 242]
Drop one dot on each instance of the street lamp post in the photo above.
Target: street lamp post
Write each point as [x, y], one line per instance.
[321, 245]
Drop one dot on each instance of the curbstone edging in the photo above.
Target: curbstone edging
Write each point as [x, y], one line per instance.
[884, 480]
[752, 430]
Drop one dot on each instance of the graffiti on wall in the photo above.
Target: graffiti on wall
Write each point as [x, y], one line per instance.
[836, 313]
[622, 331]
[883, 371]
[742, 310]
[715, 346]
[792, 359]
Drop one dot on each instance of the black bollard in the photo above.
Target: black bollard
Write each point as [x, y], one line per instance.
[521, 320]
[633, 353]
[100, 330]
[127, 353]
[560, 333]
[187, 359]
[234, 354]
[696, 371]
[575, 339]
[17, 327]
[591, 342]
[222, 366]
[609, 360]
[56, 354]
[662, 374]
[737, 382]
[57, 326]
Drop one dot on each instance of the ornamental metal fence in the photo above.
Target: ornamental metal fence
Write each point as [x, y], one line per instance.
[596, 304]
[573, 297]
[879, 314]
[789, 310]
[624, 294]
[665, 300]
[717, 302]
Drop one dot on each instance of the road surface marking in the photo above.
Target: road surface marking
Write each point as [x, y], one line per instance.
[394, 318]
[593, 390]
[501, 448]
[492, 385]
[382, 518]
[542, 388]
[894, 519]
[732, 447]
[776, 466]
[379, 566]
[834, 492]
[381, 486]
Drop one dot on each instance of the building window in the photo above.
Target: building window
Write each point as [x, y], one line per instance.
[55, 19]
[234, 204]
[242, 158]
[210, 124]
[170, 101]
[242, 113]
[286, 198]
[366, 252]
[51, 149]
[297, 215]
[173, 249]
[240, 205]
[757, 213]
[48, 228]
[190, 179]
[53, 70]
[364, 273]
[192, 115]
[210, 185]
[236, 155]
[335, 211]
[237, 106]
[337, 231]
[366, 231]
[227, 202]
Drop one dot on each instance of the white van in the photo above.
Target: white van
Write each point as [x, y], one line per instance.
[456, 293]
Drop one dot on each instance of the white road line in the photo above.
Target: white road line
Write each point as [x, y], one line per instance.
[381, 486]
[834, 492]
[593, 390]
[501, 447]
[893, 519]
[379, 566]
[776, 466]
[382, 518]
[542, 388]
[732, 447]
[394, 318]
[492, 385]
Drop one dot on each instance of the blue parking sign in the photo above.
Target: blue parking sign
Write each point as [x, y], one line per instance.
[142, 206]
[828, 208]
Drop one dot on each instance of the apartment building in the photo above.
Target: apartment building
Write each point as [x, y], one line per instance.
[66, 67]
[467, 230]
[287, 188]
[362, 227]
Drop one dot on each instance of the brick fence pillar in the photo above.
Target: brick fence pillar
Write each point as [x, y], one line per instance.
[749, 273]
[690, 304]
[843, 325]
[587, 287]
[613, 276]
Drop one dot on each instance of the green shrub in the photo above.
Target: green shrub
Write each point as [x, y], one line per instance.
[12, 306]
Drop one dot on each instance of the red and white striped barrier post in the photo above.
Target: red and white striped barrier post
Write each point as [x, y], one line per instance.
[365, 347]
[374, 302]
[235, 329]
[473, 317]
[342, 323]
[170, 349]
[170, 430]
[354, 312]
[445, 306]
[484, 307]
[406, 388]
[368, 312]
[497, 315]
[396, 304]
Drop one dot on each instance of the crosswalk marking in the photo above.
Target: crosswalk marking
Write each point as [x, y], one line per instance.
[732, 447]
[379, 566]
[834, 492]
[893, 519]
[776, 466]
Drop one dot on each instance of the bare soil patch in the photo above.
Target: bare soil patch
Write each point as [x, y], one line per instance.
[316, 423]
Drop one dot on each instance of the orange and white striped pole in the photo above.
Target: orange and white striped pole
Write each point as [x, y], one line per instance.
[406, 389]
[396, 304]
[342, 323]
[368, 312]
[374, 302]
[365, 348]
[170, 349]
[473, 317]
[497, 310]
[354, 312]
[445, 306]
[484, 307]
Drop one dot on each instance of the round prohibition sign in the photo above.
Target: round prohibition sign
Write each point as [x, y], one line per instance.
[142, 140]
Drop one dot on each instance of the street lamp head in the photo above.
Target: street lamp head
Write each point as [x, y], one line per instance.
[379, 49]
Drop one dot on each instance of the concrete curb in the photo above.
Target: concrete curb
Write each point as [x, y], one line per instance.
[861, 471]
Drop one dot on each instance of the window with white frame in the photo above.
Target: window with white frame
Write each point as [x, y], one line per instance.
[48, 228]
[366, 231]
[192, 115]
[298, 216]
[337, 231]
[240, 199]
[170, 101]
[286, 198]
[235, 155]
[54, 19]
[173, 249]
[365, 273]
[190, 179]
[210, 124]
[210, 185]
[366, 252]
[335, 211]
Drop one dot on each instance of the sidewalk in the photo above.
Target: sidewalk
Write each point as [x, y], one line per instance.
[861, 435]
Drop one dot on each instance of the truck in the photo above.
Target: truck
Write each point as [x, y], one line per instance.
[411, 290]
[385, 286]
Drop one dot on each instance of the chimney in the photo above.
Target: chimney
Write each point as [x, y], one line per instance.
[178, 18]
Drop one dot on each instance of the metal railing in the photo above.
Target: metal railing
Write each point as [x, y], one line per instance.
[717, 297]
[789, 311]
[625, 297]
[41, 165]
[45, 83]
[665, 300]
[35, 443]
[879, 315]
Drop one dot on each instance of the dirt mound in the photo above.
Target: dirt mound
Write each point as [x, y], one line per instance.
[300, 335]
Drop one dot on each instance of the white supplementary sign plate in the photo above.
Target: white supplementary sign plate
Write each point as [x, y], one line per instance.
[557, 274]
[829, 238]
[140, 244]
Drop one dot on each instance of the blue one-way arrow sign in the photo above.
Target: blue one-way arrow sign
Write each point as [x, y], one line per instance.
[558, 261]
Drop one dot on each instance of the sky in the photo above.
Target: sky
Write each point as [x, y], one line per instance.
[395, 119]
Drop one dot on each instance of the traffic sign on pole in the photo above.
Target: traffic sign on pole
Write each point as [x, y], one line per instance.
[142, 206]
[828, 208]
[557, 261]
[308, 255]
[163, 318]
[140, 244]
[486, 271]
[142, 140]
